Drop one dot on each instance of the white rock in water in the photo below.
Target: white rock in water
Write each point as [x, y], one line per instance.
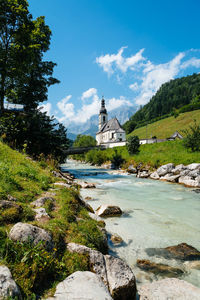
[82, 285]
[8, 287]
[163, 170]
[169, 288]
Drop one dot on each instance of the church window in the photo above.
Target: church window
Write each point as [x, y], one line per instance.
[113, 135]
[104, 118]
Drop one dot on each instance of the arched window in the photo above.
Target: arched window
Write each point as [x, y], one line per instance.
[104, 118]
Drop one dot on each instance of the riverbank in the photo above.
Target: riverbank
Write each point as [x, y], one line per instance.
[155, 215]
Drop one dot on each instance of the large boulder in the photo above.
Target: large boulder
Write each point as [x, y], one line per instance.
[169, 288]
[42, 200]
[82, 285]
[170, 177]
[8, 287]
[24, 232]
[159, 269]
[131, 169]
[114, 272]
[108, 211]
[193, 166]
[5, 204]
[189, 181]
[163, 170]
[143, 174]
[121, 280]
[96, 259]
[178, 169]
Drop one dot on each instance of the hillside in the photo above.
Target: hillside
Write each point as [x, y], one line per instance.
[181, 93]
[166, 127]
[33, 244]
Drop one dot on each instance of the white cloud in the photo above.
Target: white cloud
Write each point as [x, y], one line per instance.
[110, 62]
[134, 86]
[66, 108]
[46, 108]
[89, 93]
[192, 62]
[114, 103]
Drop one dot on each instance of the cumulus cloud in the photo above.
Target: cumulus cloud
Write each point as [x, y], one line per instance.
[89, 93]
[87, 110]
[134, 86]
[110, 62]
[46, 108]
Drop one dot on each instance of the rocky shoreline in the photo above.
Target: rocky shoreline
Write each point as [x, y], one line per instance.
[166, 288]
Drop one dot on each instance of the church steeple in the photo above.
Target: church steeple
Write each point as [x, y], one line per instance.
[103, 116]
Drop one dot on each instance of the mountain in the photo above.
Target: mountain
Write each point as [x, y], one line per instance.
[176, 96]
[90, 127]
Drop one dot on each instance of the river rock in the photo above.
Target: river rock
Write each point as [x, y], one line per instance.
[143, 174]
[96, 259]
[121, 280]
[116, 239]
[5, 204]
[82, 285]
[169, 288]
[86, 205]
[178, 169]
[63, 184]
[8, 287]
[188, 181]
[163, 170]
[24, 232]
[195, 173]
[88, 198]
[41, 214]
[95, 217]
[87, 185]
[42, 200]
[159, 269]
[106, 210]
[154, 175]
[131, 169]
[193, 264]
[182, 252]
[170, 177]
[193, 166]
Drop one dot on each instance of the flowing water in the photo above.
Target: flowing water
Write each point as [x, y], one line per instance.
[156, 215]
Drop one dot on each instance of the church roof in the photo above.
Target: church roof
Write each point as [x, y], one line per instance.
[112, 124]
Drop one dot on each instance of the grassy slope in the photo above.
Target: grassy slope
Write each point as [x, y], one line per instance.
[35, 270]
[166, 127]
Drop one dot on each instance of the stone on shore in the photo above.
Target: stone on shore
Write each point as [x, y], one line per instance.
[86, 205]
[169, 288]
[170, 177]
[8, 287]
[82, 285]
[163, 170]
[143, 174]
[108, 211]
[178, 169]
[131, 170]
[87, 185]
[193, 166]
[95, 217]
[63, 184]
[24, 232]
[41, 214]
[188, 181]
[158, 269]
[155, 175]
[121, 280]
[116, 239]
[41, 201]
[5, 204]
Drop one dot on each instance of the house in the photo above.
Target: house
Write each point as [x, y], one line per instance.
[110, 133]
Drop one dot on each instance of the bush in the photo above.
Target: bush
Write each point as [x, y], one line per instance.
[133, 144]
[117, 159]
[192, 139]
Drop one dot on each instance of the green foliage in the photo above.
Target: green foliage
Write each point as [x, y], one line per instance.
[133, 144]
[96, 157]
[192, 137]
[84, 141]
[173, 95]
[117, 159]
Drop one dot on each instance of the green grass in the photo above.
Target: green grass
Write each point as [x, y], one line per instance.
[165, 128]
[35, 270]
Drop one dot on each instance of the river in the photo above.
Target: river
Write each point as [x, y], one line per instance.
[156, 215]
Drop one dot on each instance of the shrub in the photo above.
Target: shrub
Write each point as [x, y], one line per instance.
[117, 159]
[192, 139]
[133, 144]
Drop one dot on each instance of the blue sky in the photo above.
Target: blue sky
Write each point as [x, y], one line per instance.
[124, 50]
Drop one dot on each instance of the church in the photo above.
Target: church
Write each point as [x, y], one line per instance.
[110, 133]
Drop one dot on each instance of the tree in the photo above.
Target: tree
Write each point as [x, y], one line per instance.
[24, 76]
[133, 144]
[84, 141]
[192, 139]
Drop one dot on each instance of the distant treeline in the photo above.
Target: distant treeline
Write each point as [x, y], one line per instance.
[174, 97]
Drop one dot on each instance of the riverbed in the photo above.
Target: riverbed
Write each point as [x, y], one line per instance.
[156, 215]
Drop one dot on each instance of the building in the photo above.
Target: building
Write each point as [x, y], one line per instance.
[110, 133]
